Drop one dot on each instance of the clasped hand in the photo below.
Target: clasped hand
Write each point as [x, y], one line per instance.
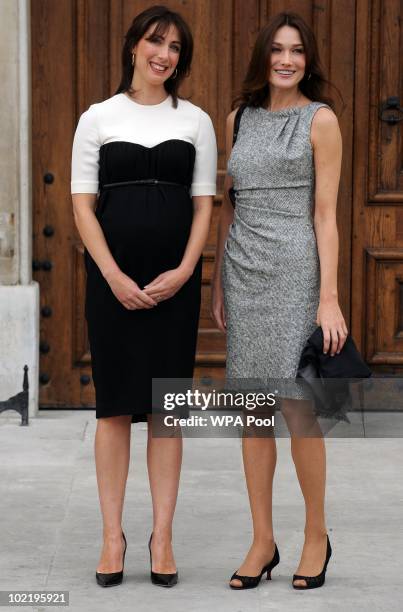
[164, 286]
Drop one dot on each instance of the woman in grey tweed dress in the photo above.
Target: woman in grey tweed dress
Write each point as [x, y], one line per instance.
[275, 276]
[270, 270]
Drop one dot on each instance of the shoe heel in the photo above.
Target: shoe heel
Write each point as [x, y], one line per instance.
[112, 578]
[250, 582]
[163, 580]
[313, 582]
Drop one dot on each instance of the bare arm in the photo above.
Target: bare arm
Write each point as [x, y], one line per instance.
[202, 209]
[327, 146]
[91, 233]
[123, 287]
[226, 218]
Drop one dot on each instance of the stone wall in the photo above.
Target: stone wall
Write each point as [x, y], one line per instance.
[19, 295]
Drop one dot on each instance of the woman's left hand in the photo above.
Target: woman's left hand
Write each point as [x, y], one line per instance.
[165, 285]
[334, 328]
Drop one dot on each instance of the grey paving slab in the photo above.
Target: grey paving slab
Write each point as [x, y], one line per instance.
[51, 523]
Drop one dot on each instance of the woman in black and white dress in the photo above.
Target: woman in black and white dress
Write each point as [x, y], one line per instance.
[147, 160]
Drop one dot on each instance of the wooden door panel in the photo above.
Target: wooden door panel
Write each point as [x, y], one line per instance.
[386, 142]
[211, 240]
[53, 104]
[377, 304]
[80, 348]
[384, 296]
[91, 48]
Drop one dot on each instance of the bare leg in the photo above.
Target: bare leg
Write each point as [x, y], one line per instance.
[112, 457]
[164, 459]
[259, 459]
[309, 455]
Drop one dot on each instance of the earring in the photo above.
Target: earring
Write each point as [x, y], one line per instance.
[133, 56]
[310, 74]
[175, 74]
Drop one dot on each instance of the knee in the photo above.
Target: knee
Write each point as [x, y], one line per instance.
[158, 429]
[299, 416]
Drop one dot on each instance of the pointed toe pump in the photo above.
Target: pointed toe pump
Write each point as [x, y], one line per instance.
[313, 582]
[112, 578]
[164, 580]
[250, 582]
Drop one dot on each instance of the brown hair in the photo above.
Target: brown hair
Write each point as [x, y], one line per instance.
[255, 90]
[163, 18]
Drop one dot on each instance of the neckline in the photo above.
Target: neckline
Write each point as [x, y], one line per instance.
[283, 112]
[131, 101]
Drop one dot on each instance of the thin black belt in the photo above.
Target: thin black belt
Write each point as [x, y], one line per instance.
[144, 182]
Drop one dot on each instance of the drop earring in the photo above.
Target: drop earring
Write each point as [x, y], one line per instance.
[133, 56]
[310, 74]
[174, 74]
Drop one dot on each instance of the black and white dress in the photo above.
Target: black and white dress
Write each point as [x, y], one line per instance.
[145, 162]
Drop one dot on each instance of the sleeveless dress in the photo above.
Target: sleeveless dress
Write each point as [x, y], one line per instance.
[270, 272]
[145, 162]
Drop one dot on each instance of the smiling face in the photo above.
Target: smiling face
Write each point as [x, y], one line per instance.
[287, 59]
[157, 55]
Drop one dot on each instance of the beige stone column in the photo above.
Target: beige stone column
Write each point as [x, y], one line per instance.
[19, 295]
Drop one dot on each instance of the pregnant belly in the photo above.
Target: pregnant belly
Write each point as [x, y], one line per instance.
[147, 232]
[147, 220]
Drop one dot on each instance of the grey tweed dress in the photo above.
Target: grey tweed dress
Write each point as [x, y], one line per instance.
[270, 273]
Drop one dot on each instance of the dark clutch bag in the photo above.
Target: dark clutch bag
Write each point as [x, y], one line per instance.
[348, 364]
[329, 377]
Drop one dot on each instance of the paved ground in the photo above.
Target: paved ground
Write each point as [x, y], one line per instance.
[51, 528]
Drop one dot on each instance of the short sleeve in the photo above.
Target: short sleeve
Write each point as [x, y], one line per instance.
[205, 168]
[85, 154]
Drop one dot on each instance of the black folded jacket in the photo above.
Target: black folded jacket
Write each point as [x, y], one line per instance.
[329, 377]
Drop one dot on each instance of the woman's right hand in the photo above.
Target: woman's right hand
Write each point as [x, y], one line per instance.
[217, 307]
[129, 293]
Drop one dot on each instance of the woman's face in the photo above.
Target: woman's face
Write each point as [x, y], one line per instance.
[157, 55]
[287, 63]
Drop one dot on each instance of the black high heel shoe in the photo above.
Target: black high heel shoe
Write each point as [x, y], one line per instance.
[112, 578]
[164, 580]
[250, 582]
[313, 582]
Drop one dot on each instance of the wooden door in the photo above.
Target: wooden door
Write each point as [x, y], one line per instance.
[76, 47]
[377, 289]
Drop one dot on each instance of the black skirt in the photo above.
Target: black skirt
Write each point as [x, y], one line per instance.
[146, 226]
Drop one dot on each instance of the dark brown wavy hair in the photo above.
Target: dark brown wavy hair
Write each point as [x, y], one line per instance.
[163, 18]
[255, 90]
